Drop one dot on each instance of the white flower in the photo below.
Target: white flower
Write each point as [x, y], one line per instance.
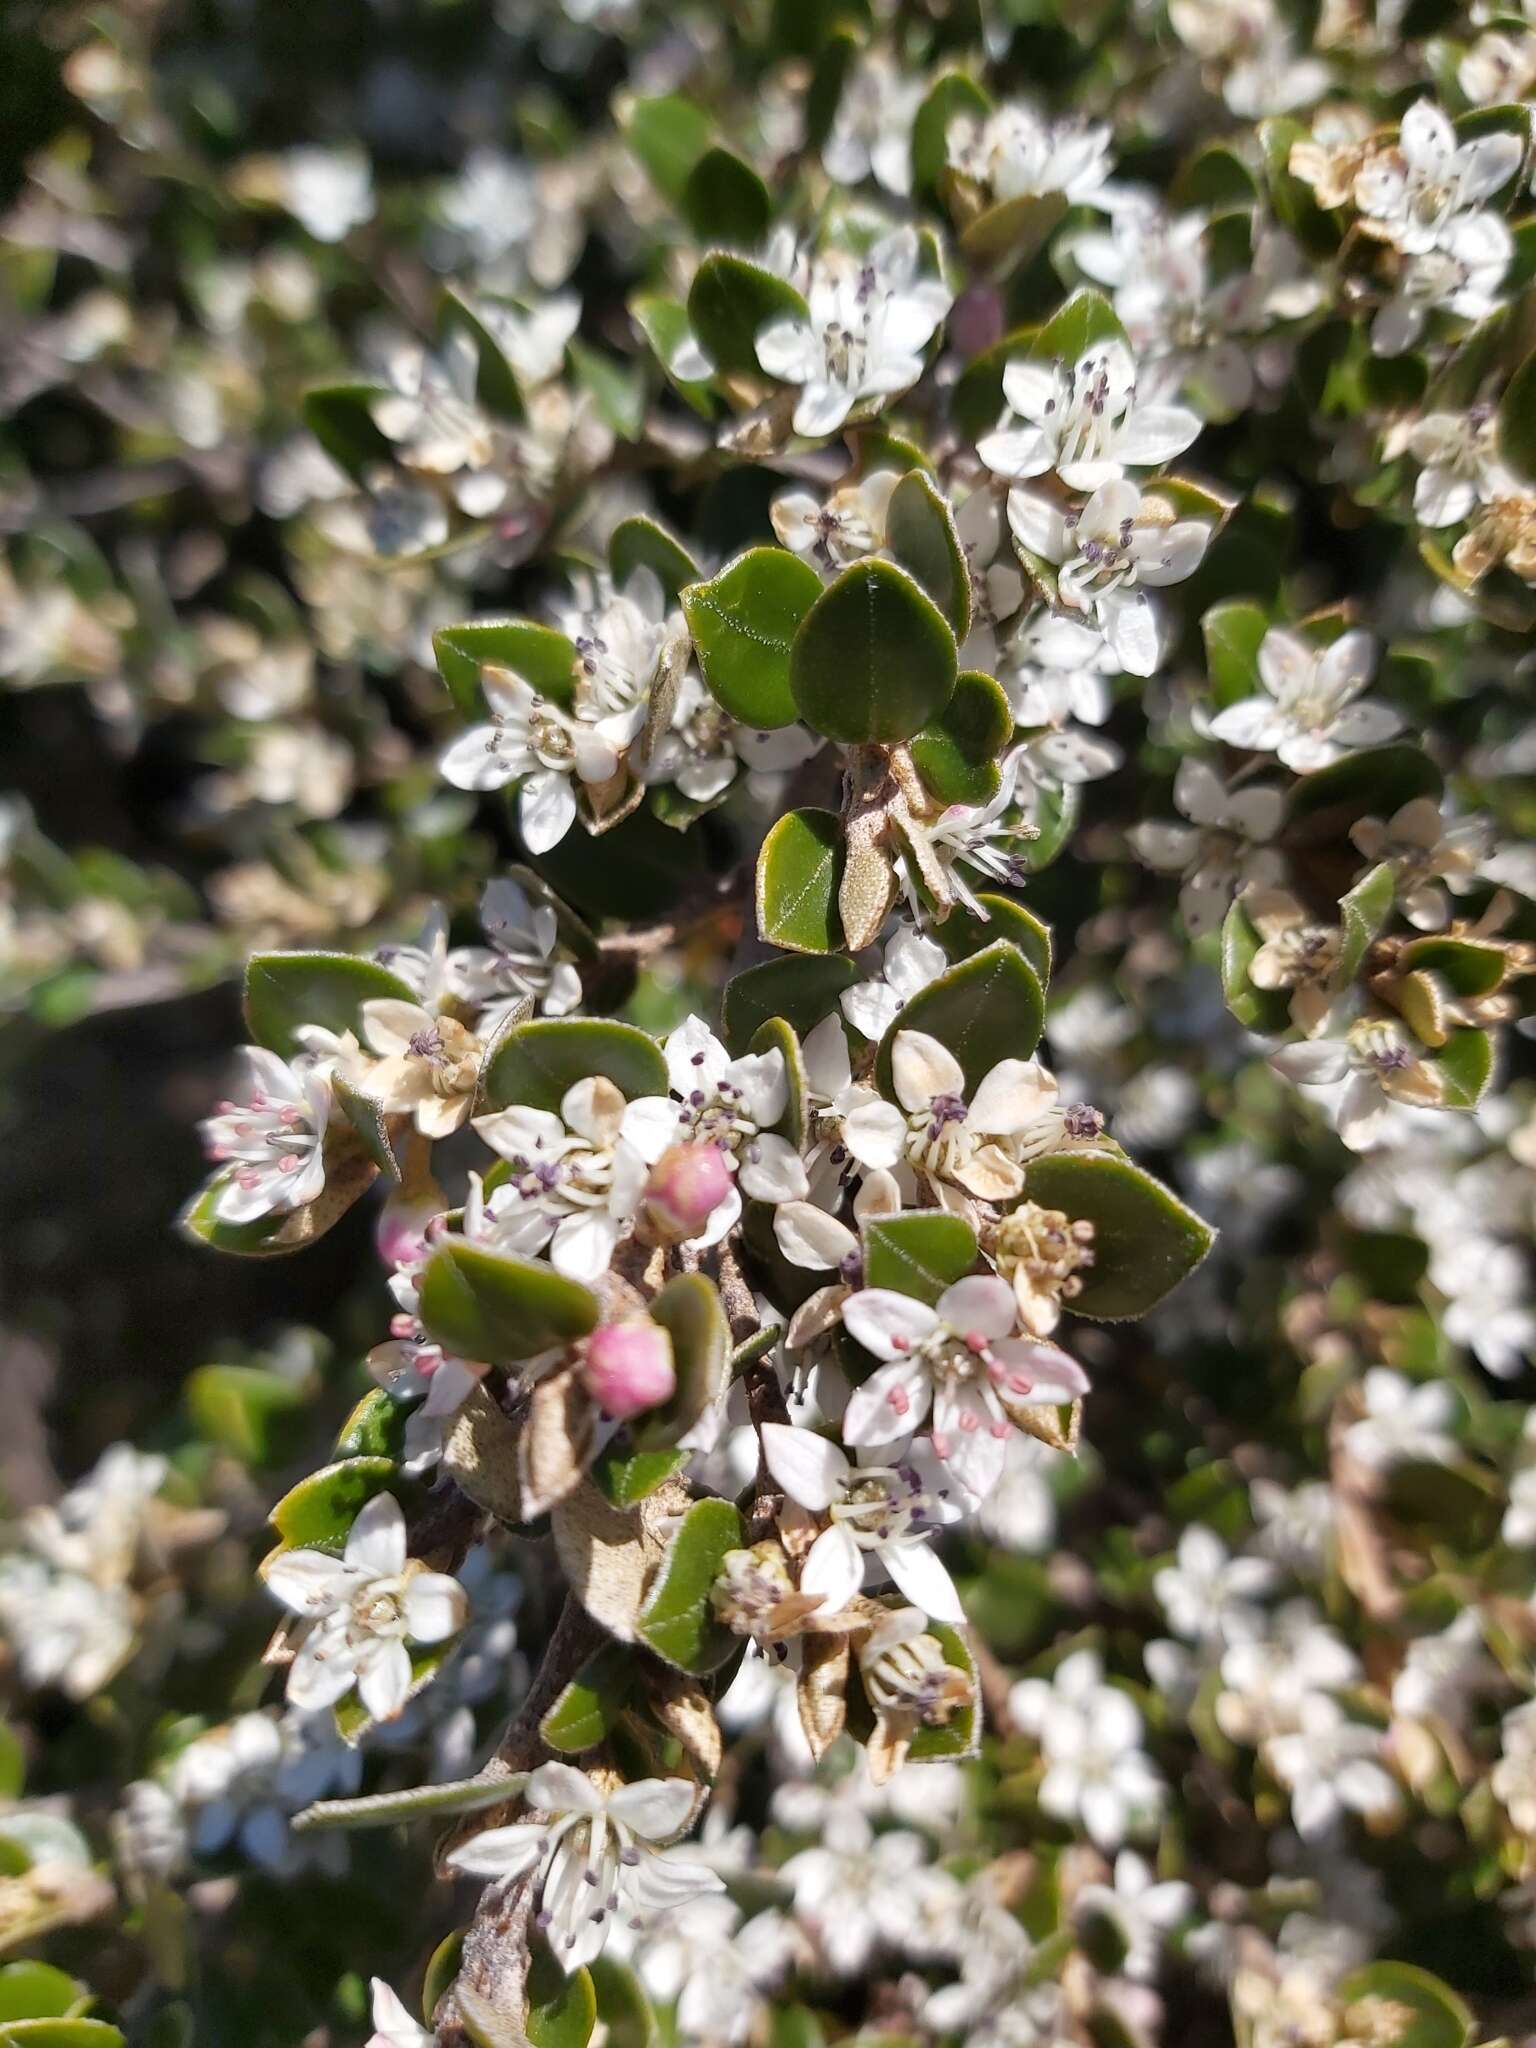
[522, 960]
[328, 191]
[859, 1890]
[65, 1629]
[833, 1096]
[716, 1100]
[989, 838]
[959, 1359]
[699, 1958]
[1295, 1525]
[1121, 542]
[1446, 1674]
[1377, 1063]
[576, 1182]
[1263, 74]
[976, 1145]
[1513, 1778]
[872, 132]
[883, 1513]
[412, 1365]
[1309, 716]
[1331, 1765]
[1019, 1513]
[428, 1063]
[1143, 1911]
[1412, 194]
[491, 203]
[365, 1606]
[907, 965]
[1403, 1421]
[274, 1142]
[1426, 850]
[847, 527]
[528, 737]
[1462, 465]
[868, 321]
[1084, 421]
[1207, 1595]
[393, 2026]
[1265, 1684]
[1220, 851]
[1016, 153]
[595, 1852]
[532, 342]
[1462, 275]
[242, 1783]
[1090, 1739]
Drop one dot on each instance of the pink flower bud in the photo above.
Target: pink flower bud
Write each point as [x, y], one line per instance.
[686, 1185]
[400, 1234]
[627, 1368]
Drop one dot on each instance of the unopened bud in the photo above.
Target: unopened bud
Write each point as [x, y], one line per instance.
[400, 1235]
[686, 1185]
[627, 1368]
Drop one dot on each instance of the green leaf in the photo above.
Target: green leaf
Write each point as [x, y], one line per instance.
[537, 1062]
[919, 1253]
[1466, 1067]
[677, 1621]
[622, 2005]
[13, 1763]
[664, 323]
[615, 386]
[498, 1308]
[1440, 2018]
[963, 933]
[956, 754]
[318, 1513]
[1261, 1009]
[31, 1990]
[920, 533]
[374, 1429]
[286, 990]
[442, 1968]
[688, 1309]
[1374, 783]
[1362, 913]
[795, 2026]
[730, 301]
[1007, 235]
[950, 94]
[641, 542]
[873, 660]
[60, 2033]
[496, 385]
[985, 1009]
[726, 201]
[798, 869]
[625, 1475]
[1053, 813]
[341, 419]
[669, 135]
[1469, 967]
[1517, 421]
[1086, 321]
[562, 2010]
[387, 1809]
[1144, 1239]
[1215, 179]
[366, 1116]
[592, 1702]
[545, 659]
[835, 56]
[241, 1408]
[1233, 631]
[802, 990]
[961, 1735]
[743, 623]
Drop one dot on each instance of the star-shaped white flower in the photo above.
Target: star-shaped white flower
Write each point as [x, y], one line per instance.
[1309, 716]
[365, 1606]
[595, 1853]
[575, 1182]
[273, 1143]
[1083, 420]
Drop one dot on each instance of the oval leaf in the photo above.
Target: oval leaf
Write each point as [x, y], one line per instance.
[798, 870]
[495, 1307]
[920, 1253]
[873, 660]
[1144, 1239]
[286, 990]
[743, 623]
[920, 533]
[535, 1063]
[988, 1008]
[677, 1621]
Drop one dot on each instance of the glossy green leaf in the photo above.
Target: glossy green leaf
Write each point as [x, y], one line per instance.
[775, 1034]
[730, 301]
[665, 325]
[688, 1309]
[592, 1702]
[1466, 1066]
[669, 135]
[802, 990]
[1362, 913]
[562, 2010]
[545, 659]
[241, 1408]
[1233, 631]
[442, 1968]
[1086, 321]
[985, 1009]
[496, 385]
[375, 1428]
[1214, 180]
[963, 932]
[1007, 235]
[641, 542]
[537, 1062]
[957, 753]
[798, 869]
[919, 1253]
[30, 1990]
[60, 2033]
[496, 1307]
[677, 1621]
[1441, 2019]
[318, 1513]
[625, 1475]
[1469, 967]
[1517, 421]
[743, 623]
[340, 417]
[1054, 815]
[367, 1118]
[286, 990]
[13, 1763]
[873, 660]
[1261, 1009]
[726, 201]
[622, 2004]
[615, 386]
[1374, 783]
[950, 95]
[920, 534]
[960, 1736]
[388, 1809]
[1144, 1239]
